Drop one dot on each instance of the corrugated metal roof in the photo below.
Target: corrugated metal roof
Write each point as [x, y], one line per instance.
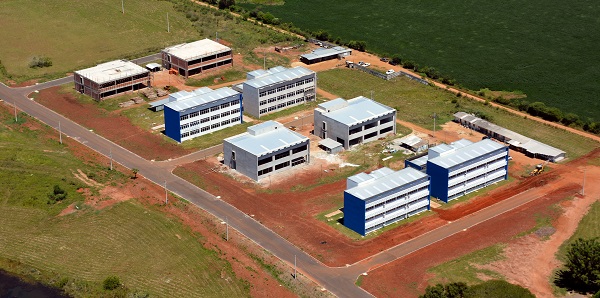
[200, 97]
[279, 76]
[323, 52]
[196, 49]
[333, 105]
[466, 153]
[514, 138]
[274, 136]
[382, 181]
[358, 110]
[111, 71]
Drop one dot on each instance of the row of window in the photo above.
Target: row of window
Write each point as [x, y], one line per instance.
[283, 154]
[212, 109]
[213, 117]
[281, 105]
[467, 169]
[388, 212]
[398, 197]
[206, 128]
[475, 178]
[282, 88]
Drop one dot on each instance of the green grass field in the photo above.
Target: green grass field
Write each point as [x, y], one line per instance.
[416, 103]
[539, 47]
[77, 34]
[148, 251]
[464, 268]
[589, 227]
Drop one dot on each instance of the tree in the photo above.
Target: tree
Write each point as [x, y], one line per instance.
[40, 61]
[135, 171]
[582, 272]
[451, 290]
[224, 4]
[58, 194]
[110, 283]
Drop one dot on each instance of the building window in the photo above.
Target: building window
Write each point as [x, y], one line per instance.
[215, 117]
[262, 102]
[194, 114]
[299, 149]
[235, 111]
[262, 111]
[298, 161]
[265, 160]
[265, 171]
[205, 111]
[205, 128]
[282, 155]
[235, 102]
[215, 108]
[227, 113]
[185, 134]
[387, 129]
[386, 120]
[215, 125]
[282, 165]
[183, 117]
[264, 93]
[224, 105]
[225, 122]
[204, 120]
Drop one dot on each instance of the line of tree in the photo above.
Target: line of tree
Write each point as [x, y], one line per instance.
[538, 109]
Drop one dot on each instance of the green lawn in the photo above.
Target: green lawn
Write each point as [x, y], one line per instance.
[464, 269]
[416, 103]
[78, 34]
[540, 47]
[147, 250]
[589, 227]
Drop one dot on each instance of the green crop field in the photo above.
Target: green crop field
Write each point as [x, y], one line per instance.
[416, 103]
[76, 34]
[150, 252]
[547, 49]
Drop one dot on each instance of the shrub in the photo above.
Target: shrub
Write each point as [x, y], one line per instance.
[110, 283]
[224, 4]
[58, 194]
[582, 272]
[497, 289]
[40, 62]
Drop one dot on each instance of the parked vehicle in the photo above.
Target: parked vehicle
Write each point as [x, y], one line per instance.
[384, 59]
[361, 63]
[366, 64]
[391, 71]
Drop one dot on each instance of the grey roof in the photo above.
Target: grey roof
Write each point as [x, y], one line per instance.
[333, 105]
[330, 143]
[358, 110]
[513, 138]
[152, 65]
[279, 76]
[382, 181]
[462, 154]
[421, 161]
[201, 98]
[111, 71]
[323, 52]
[160, 102]
[267, 137]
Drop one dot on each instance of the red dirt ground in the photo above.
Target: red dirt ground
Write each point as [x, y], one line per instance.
[236, 251]
[111, 125]
[292, 213]
[409, 275]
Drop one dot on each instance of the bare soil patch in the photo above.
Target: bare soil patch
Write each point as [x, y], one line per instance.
[112, 126]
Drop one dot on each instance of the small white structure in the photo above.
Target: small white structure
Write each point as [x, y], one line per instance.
[265, 149]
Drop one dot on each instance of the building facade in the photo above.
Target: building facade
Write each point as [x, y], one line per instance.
[324, 54]
[276, 89]
[517, 142]
[202, 111]
[356, 121]
[265, 149]
[196, 57]
[111, 78]
[464, 167]
[383, 197]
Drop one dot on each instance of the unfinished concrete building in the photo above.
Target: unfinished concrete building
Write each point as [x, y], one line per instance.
[111, 78]
[196, 57]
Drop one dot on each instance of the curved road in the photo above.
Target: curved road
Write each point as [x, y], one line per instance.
[339, 281]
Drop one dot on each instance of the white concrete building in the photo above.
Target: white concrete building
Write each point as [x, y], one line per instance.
[265, 149]
[356, 121]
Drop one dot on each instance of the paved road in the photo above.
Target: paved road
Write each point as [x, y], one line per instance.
[340, 281]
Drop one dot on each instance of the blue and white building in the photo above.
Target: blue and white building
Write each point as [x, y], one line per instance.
[265, 149]
[383, 197]
[463, 167]
[276, 89]
[191, 114]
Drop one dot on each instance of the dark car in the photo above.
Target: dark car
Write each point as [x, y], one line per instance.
[393, 63]
[385, 59]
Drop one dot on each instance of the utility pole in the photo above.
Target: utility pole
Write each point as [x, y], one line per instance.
[226, 229]
[15, 106]
[583, 185]
[295, 267]
[166, 194]
[371, 94]
[217, 36]
[111, 159]
[168, 25]
[434, 117]
[122, 6]
[264, 60]
[59, 133]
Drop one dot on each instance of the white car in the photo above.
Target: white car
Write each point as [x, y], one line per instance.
[361, 63]
[391, 71]
[366, 64]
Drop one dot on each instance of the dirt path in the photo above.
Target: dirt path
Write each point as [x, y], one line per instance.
[532, 252]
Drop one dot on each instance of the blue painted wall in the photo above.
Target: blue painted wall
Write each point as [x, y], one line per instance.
[354, 213]
[439, 181]
[172, 124]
